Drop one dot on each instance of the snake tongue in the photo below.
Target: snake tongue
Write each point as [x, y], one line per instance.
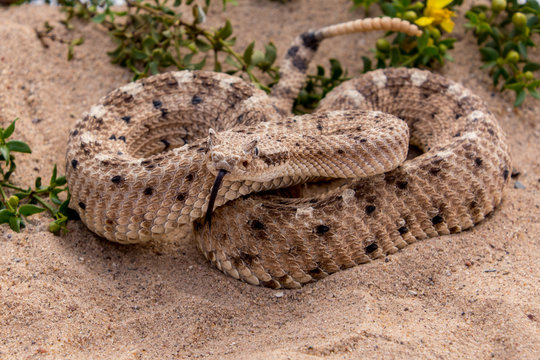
[213, 195]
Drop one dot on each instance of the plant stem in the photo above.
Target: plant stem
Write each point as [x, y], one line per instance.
[45, 204]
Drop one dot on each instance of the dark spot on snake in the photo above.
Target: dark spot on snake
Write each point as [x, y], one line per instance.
[313, 201]
[296, 144]
[321, 230]
[371, 248]
[457, 134]
[181, 197]
[116, 179]
[127, 119]
[123, 138]
[402, 230]
[164, 112]
[75, 132]
[363, 140]
[240, 118]
[433, 115]
[74, 163]
[128, 98]
[195, 100]
[157, 103]
[189, 177]
[119, 153]
[300, 63]
[148, 191]
[437, 219]
[292, 51]
[197, 226]
[505, 174]
[340, 151]
[248, 258]
[319, 126]
[256, 225]
[310, 40]
[491, 132]
[390, 179]
[82, 205]
[171, 82]
[402, 185]
[112, 137]
[370, 209]
[478, 162]
[434, 171]
[109, 222]
[316, 273]
[166, 143]
[473, 205]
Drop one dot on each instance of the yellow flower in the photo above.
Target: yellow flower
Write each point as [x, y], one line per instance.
[435, 14]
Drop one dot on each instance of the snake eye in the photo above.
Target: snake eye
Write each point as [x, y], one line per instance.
[256, 151]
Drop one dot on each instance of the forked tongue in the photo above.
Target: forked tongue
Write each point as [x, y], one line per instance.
[213, 195]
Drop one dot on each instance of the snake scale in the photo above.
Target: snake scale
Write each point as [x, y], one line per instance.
[291, 199]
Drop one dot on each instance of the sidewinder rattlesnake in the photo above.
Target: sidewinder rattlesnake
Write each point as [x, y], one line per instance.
[141, 165]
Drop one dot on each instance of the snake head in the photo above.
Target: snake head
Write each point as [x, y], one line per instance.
[233, 152]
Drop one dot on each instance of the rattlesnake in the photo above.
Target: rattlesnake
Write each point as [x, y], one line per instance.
[141, 164]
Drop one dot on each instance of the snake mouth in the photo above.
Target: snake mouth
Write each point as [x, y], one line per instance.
[213, 195]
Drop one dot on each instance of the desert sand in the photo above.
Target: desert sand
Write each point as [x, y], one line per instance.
[470, 295]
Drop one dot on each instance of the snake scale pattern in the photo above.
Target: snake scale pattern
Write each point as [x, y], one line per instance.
[297, 197]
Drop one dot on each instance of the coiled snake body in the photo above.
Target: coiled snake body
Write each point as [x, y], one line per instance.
[142, 163]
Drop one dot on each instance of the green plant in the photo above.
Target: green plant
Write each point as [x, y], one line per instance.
[17, 203]
[318, 85]
[504, 33]
[430, 49]
[152, 36]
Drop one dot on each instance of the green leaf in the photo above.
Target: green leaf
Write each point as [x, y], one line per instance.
[270, 53]
[137, 54]
[5, 214]
[28, 209]
[4, 150]
[202, 45]
[38, 182]
[430, 51]
[153, 66]
[61, 181]
[99, 18]
[52, 182]
[515, 86]
[19, 146]
[367, 63]
[422, 41]
[225, 31]
[520, 96]
[489, 54]
[535, 94]
[531, 66]
[7, 133]
[248, 53]
[15, 223]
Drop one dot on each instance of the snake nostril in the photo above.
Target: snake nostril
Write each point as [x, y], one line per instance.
[245, 163]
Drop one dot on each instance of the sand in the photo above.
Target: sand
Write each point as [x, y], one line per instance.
[469, 295]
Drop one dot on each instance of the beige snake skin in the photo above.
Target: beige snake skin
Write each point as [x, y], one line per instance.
[141, 164]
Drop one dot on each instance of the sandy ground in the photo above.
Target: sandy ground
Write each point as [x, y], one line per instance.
[79, 296]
